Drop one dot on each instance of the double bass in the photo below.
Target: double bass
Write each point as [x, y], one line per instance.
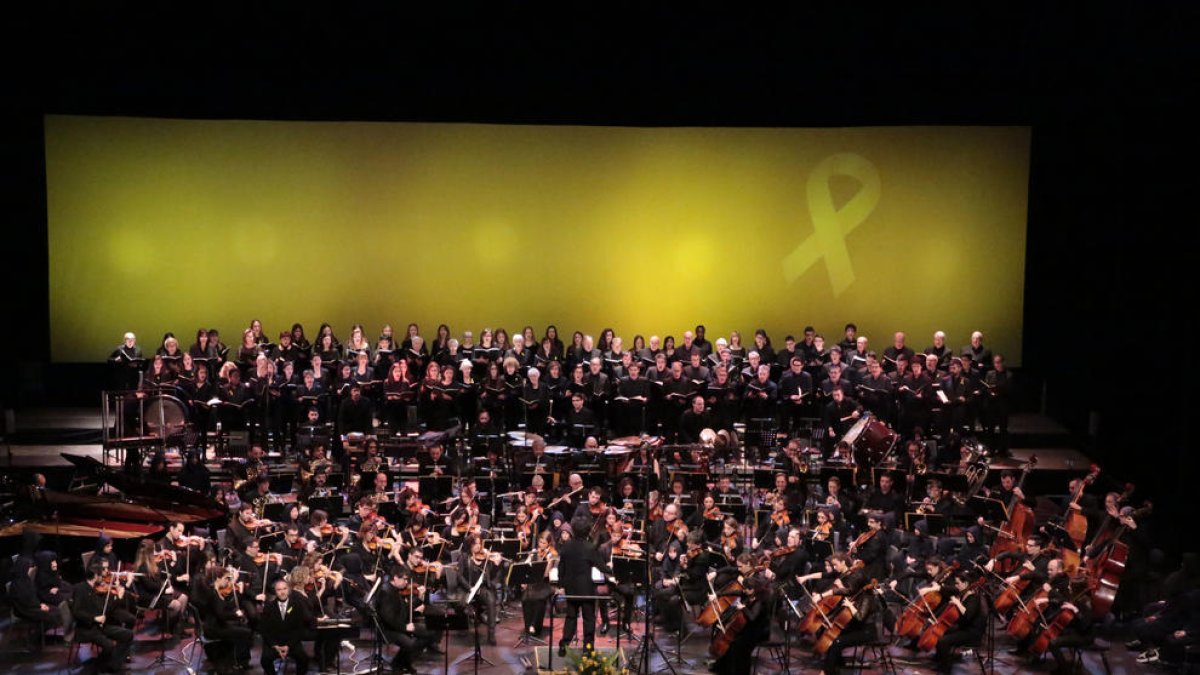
[1017, 528]
[1076, 524]
[1105, 570]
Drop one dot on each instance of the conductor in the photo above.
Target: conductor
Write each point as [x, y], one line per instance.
[576, 558]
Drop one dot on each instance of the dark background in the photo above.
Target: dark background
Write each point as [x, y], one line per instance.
[1108, 324]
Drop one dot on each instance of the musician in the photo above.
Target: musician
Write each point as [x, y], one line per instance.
[694, 420]
[915, 393]
[791, 559]
[154, 587]
[839, 414]
[355, 412]
[895, 352]
[663, 529]
[286, 617]
[838, 499]
[476, 563]
[576, 558]
[223, 616]
[760, 395]
[435, 462]
[619, 545]
[1034, 564]
[871, 547]
[398, 604]
[885, 500]
[876, 391]
[958, 390]
[92, 609]
[598, 388]
[633, 395]
[594, 510]
[997, 402]
[851, 584]
[795, 387]
[972, 622]
[757, 605]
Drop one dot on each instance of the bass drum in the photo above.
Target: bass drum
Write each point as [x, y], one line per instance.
[165, 416]
[871, 440]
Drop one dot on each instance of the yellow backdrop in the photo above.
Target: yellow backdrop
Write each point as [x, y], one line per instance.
[160, 225]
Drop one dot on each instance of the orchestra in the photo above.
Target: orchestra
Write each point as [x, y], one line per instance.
[839, 484]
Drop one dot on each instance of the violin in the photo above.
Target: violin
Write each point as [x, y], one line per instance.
[729, 542]
[782, 551]
[674, 525]
[184, 541]
[380, 543]
[822, 531]
[483, 556]
[300, 544]
[713, 513]
[655, 513]
[428, 567]
[862, 539]
[780, 518]
[264, 558]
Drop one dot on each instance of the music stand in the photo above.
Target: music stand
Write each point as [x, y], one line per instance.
[526, 573]
[454, 618]
[475, 612]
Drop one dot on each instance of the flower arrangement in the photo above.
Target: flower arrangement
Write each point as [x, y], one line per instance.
[590, 662]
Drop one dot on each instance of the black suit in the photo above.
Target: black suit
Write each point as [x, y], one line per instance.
[285, 629]
[113, 639]
[575, 562]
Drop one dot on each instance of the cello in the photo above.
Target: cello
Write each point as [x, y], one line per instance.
[1075, 523]
[947, 618]
[912, 620]
[834, 625]
[1023, 620]
[1018, 527]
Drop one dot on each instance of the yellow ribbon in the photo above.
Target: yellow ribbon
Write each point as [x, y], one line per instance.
[830, 225]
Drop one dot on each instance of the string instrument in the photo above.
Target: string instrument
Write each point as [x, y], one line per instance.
[818, 614]
[861, 540]
[780, 518]
[673, 526]
[729, 542]
[713, 513]
[1105, 570]
[380, 543]
[427, 568]
[946, 618]
[718, 603]
[264, 558]
[734, 624]
[655, 513]
[1010, 596]
[912, 620]
[1030, 614]
[1017, 528]
[822, 531]
[781, 552]
[837, 623]
[1076, 524]
[184, 542]
[484, 556]
[1054, 628]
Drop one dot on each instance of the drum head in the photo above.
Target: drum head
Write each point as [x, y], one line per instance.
[167, 413]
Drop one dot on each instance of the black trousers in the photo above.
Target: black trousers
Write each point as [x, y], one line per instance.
[409, 644]
[533, 607]
[114, 642]
[238, 637]
[854, 635]
[948, 642]
[574, 607]
[295, 653]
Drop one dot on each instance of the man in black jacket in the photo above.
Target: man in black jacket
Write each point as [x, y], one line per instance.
[92, 624]
[398, 620]
[354, 414]
[285, 620]
[576, 558]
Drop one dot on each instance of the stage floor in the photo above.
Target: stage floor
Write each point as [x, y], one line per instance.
[522, 660]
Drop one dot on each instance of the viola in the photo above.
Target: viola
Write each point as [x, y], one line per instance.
[822, 531]
[780, 518]
[713, 513]
[729, 542]
[674, 525]
[655, 513]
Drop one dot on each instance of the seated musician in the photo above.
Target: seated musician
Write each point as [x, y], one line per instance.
[293, 545]
[849, 582]
[154, 588]
[1057, 592]
[224, 618]
[257, 569]
[758, 602]
[366, 514]
[664, 529]
[286, 617]
[593, 509]
[839, 415]
[535, 594]
[326, 535]
[707, 511]
[400, 607]
[435, 462]
[691, 586]
[791, 558]
[1033, 564]
[871, 547]
[618, 545]
[972, 622]
[475, 563]
[885, 499]
[95, 622]
[773, 525]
